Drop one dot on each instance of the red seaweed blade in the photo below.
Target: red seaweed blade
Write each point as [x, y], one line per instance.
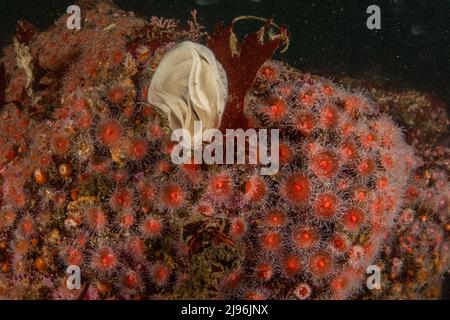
[241, 70]
[25, 31]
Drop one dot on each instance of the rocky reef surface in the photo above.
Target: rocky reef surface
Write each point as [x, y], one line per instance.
[86, 176]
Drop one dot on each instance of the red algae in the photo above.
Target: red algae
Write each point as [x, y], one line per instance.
[241, 60]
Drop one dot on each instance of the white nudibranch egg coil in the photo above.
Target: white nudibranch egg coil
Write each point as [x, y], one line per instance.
[190, 85]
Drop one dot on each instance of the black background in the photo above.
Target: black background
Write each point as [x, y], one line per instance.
[412, 49]
[277, 309]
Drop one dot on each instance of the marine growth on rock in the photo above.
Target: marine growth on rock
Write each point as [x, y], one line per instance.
[87, 179]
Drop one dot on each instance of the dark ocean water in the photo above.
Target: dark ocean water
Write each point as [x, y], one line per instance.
[329, 37]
